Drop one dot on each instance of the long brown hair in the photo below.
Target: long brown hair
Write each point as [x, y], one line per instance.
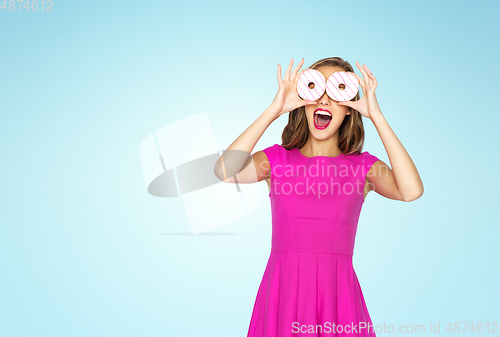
[351, 131]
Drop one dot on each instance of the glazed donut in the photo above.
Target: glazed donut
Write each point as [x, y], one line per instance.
[345, 92]
[311, 85]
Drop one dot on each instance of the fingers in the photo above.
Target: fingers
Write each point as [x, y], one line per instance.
[361, 81]
[360, 68]
[297, 68]
[368, 71]
[287, 73]
[370, 74]
[298, 76]
[291, 75]
[371, 81]
[280, 79]
[365, 75]
[366, 68]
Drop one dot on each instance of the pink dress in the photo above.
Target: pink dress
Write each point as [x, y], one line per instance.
[309, 287]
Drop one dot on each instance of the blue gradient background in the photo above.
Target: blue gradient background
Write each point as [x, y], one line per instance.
[84, 249]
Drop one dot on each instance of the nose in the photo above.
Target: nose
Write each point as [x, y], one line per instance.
[325, 99]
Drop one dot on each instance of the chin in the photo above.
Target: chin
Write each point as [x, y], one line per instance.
[321, 134]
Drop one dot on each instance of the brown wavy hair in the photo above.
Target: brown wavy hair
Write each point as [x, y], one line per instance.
[351, 131]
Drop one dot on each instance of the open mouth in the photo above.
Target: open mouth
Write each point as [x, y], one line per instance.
[322, 118]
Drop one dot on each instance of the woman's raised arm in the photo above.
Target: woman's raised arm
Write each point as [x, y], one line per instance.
[236, 164]
[402, 182]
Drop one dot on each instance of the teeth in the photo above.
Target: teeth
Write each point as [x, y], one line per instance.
[321, 112]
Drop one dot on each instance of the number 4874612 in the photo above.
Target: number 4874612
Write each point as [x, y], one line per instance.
[27, 5]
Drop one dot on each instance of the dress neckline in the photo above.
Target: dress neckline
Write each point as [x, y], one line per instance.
[300, 154]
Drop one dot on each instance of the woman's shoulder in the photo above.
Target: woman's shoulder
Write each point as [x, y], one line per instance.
[368, 157]
[275, 148]
[275, 152]
[362, 158]
[367, 160]
[362, 155]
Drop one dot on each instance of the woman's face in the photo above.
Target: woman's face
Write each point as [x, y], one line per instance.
[325, 117]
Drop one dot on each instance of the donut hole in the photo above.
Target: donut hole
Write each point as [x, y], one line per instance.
[342, 86]
[311, 85]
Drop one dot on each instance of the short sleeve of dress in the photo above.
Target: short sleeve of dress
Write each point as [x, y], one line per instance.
[272, 153]
[368, 160]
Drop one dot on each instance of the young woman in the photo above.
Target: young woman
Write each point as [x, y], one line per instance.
[318, 180]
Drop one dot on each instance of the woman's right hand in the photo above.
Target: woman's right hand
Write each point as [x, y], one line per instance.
[287, 98]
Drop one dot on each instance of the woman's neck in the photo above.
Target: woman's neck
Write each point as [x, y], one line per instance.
[314, 147]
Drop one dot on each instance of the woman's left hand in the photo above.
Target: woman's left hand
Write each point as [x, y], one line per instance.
[366, 105]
